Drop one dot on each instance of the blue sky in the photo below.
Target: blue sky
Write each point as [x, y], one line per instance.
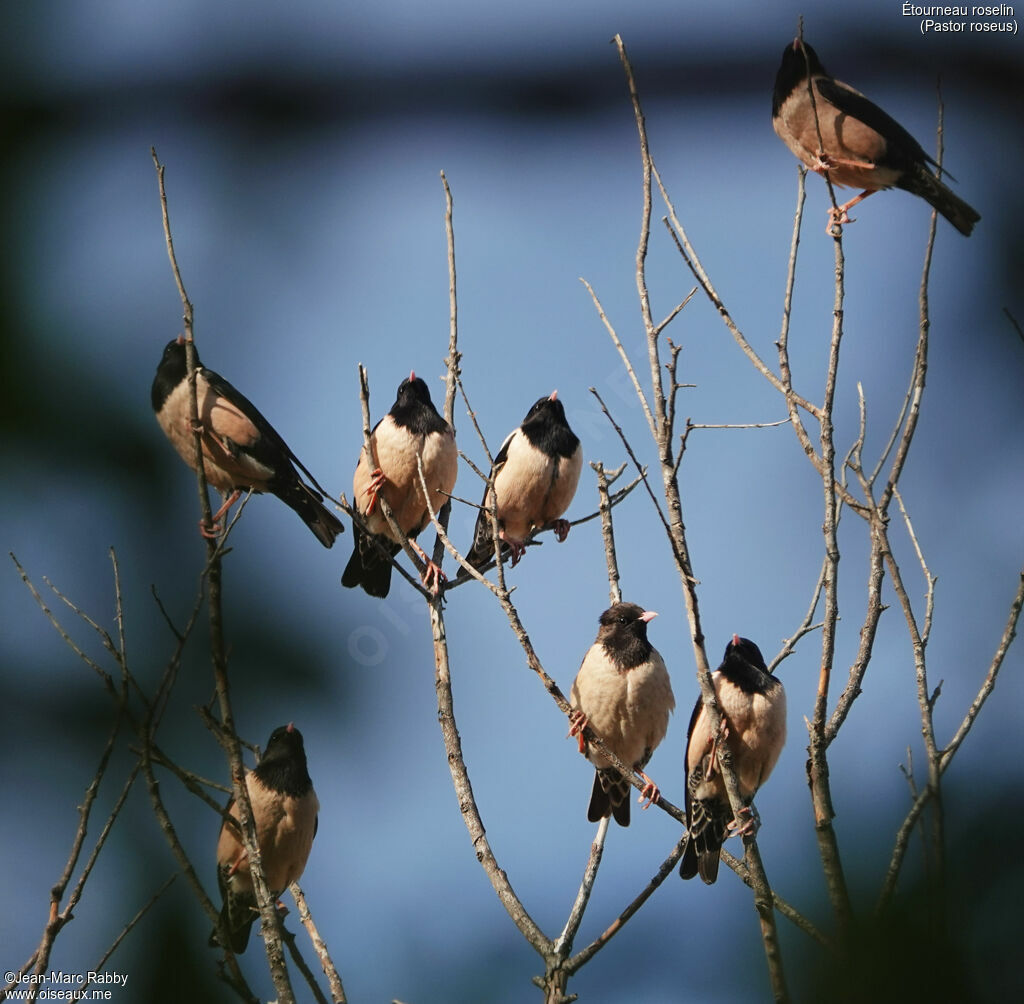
[303, 149]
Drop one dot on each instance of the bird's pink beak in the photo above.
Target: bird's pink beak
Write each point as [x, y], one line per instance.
[554, 396]
[735, 639]
[412, 375]
[648, 615]
[180, 339]
[291, 727]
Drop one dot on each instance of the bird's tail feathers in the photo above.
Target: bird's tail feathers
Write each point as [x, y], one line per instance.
[310, 507]
[963, 216]
[609, 797]
[367, 567]
[703, 846]
[238, 931]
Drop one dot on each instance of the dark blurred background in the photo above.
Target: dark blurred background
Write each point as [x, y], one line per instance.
[303, 147]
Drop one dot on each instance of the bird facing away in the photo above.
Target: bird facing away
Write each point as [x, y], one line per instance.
[623, 692]
[284, 808]
[241, 449]
[411, 429]
[534, 476]
[753, 705]
[861, 145]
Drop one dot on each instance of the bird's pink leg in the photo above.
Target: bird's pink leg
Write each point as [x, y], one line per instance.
[432, 576]
[211, 531]
[561, 528]
[841, 215]
[740, 828]
[864, 165]
[237, 863]
[713, 758]
[577, 723]
[823, 163]
[650, 793]
[516, 547]
[377, 482]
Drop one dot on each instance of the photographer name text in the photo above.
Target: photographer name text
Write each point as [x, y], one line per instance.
[59, 985]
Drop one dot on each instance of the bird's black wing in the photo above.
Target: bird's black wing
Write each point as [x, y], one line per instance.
[686, 754]
[270, 449]
[904, 151]
[482, 551]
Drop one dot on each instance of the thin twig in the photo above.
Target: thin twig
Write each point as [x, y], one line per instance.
[127, 929]
[608, 531]
[563, 943]
[667, 867]
[319, 945]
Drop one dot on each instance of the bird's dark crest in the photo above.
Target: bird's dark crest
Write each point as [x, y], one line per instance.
[792, 72]
[414, 410]
[283, 765]
[624, 635]
[547, 429]
[744, 666]
[171, 371]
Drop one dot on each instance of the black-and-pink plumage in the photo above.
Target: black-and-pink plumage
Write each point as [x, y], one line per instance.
[623, 692]
[241, 449]
[753, 705]
[285, 812]
[534, 475]
[412, 429]
[861, 145]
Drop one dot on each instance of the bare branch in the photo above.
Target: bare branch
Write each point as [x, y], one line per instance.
[806, 625]
[477, 572]
[987, 686]
[464, 789]
[483, 441]
[608, 532]
[667, 867]
[737, 425]
[302, 966]
[127, 929]
[1014, 322]
[624, 356]
[563, 943]
[642, 471]
[454, 356]
[319, 946]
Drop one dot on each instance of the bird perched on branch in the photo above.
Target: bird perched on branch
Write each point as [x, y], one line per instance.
[860, 144]
[623, 693]
[241, 449]
[284, 808]
[753, 707]
[411, 429]
[534, 479]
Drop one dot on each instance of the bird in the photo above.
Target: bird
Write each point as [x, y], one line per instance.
[534, 478]
[241, 449]
[860, 144]
[284, 808]
[411, 429]
[623, 693]
[753, 705]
